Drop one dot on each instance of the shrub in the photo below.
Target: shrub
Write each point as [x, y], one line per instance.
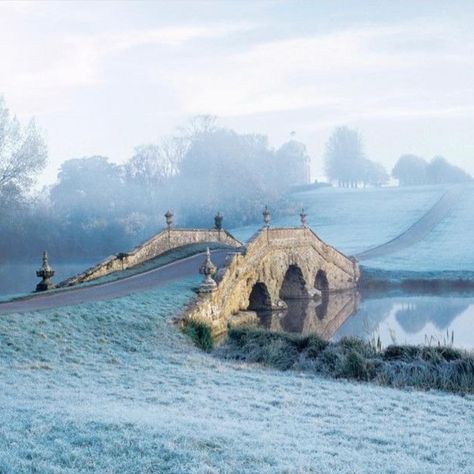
[314, 346]
[437, 367]
[200, 333]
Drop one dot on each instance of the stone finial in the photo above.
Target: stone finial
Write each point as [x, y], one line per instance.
[303, 217]
[218, 221]
[266, 217]
[169, 218]
[46, 273]
[207, 269]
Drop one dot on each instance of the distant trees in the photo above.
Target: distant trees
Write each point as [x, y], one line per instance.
[345, 161]
[293, 160]
[440, 171]
[23, 154]
[412, 170]
[97, 207]
[236, 173]
[87, 186]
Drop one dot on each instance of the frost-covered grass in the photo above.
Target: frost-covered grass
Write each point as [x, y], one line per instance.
[354, 220]
[114, 387]
[448, 247]
[423, 367]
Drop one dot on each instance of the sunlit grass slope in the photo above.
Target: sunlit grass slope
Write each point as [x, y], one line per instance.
[449, 247]
[114, 387]
[354, 220]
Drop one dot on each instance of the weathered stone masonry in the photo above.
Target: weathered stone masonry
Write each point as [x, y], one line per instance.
[165, 241]
[265, 263]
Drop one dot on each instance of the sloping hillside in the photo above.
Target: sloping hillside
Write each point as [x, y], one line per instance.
[357, 220]
[113, 387]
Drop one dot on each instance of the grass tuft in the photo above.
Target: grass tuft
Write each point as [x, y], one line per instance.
[423, 367]
[200, 333]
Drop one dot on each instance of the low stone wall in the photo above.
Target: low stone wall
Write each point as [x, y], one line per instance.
[165, 241]
[266, 260]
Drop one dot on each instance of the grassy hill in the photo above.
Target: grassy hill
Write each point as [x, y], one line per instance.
[114, 387]
[354, 220]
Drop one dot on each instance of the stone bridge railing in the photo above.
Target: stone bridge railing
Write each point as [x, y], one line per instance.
[165, 241]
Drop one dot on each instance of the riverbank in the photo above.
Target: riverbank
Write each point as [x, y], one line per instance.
[401, 366]
[433, 282]
[112, 386]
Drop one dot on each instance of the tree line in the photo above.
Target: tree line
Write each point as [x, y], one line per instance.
[97, 207]
[347, 166]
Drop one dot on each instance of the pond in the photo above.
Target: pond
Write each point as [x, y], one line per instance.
[410, 319]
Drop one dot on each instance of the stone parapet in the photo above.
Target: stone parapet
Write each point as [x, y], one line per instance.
[161, 243]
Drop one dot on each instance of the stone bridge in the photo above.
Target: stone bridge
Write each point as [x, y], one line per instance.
[277, 265]
[167, 240]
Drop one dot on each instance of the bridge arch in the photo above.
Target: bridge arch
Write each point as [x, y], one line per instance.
[294, 284]
[259, 298]
[321, 282]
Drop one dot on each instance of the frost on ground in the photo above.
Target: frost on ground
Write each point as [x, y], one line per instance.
[113, 387]
[448, 247]
[354, 220]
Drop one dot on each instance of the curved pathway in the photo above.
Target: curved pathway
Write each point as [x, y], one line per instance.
[143, 281]
[419, 230]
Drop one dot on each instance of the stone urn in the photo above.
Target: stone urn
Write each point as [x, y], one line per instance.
[208, 269]
[46, 273]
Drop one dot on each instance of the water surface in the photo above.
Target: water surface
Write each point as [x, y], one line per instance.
[404, 319]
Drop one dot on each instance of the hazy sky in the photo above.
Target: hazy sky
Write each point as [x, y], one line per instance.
[104, 77]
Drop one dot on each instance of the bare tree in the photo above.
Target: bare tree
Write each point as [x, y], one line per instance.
[23, 153]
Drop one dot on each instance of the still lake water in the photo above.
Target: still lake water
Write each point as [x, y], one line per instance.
[401, 319]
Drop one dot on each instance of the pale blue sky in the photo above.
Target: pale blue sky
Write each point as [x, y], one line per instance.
[103, 77]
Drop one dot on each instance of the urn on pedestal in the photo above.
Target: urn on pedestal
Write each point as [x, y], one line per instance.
[208, 269]
[46, 273]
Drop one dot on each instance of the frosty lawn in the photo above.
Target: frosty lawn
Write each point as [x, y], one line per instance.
[113, 387]
[353, 220]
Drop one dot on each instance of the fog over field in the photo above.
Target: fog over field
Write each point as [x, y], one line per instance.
[150, 155]
[105, 78]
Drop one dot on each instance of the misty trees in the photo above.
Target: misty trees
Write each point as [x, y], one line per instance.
[293, 162]
[22, 154]
[343, 155]
[373, 173]
[225, 171]
[345, 161]
[440, 171]
[151, 165]
[236, 173]
[412, 170]
[97, 207]
[87, 186]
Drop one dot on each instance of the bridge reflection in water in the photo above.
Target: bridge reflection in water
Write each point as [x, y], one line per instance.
[306, 316]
